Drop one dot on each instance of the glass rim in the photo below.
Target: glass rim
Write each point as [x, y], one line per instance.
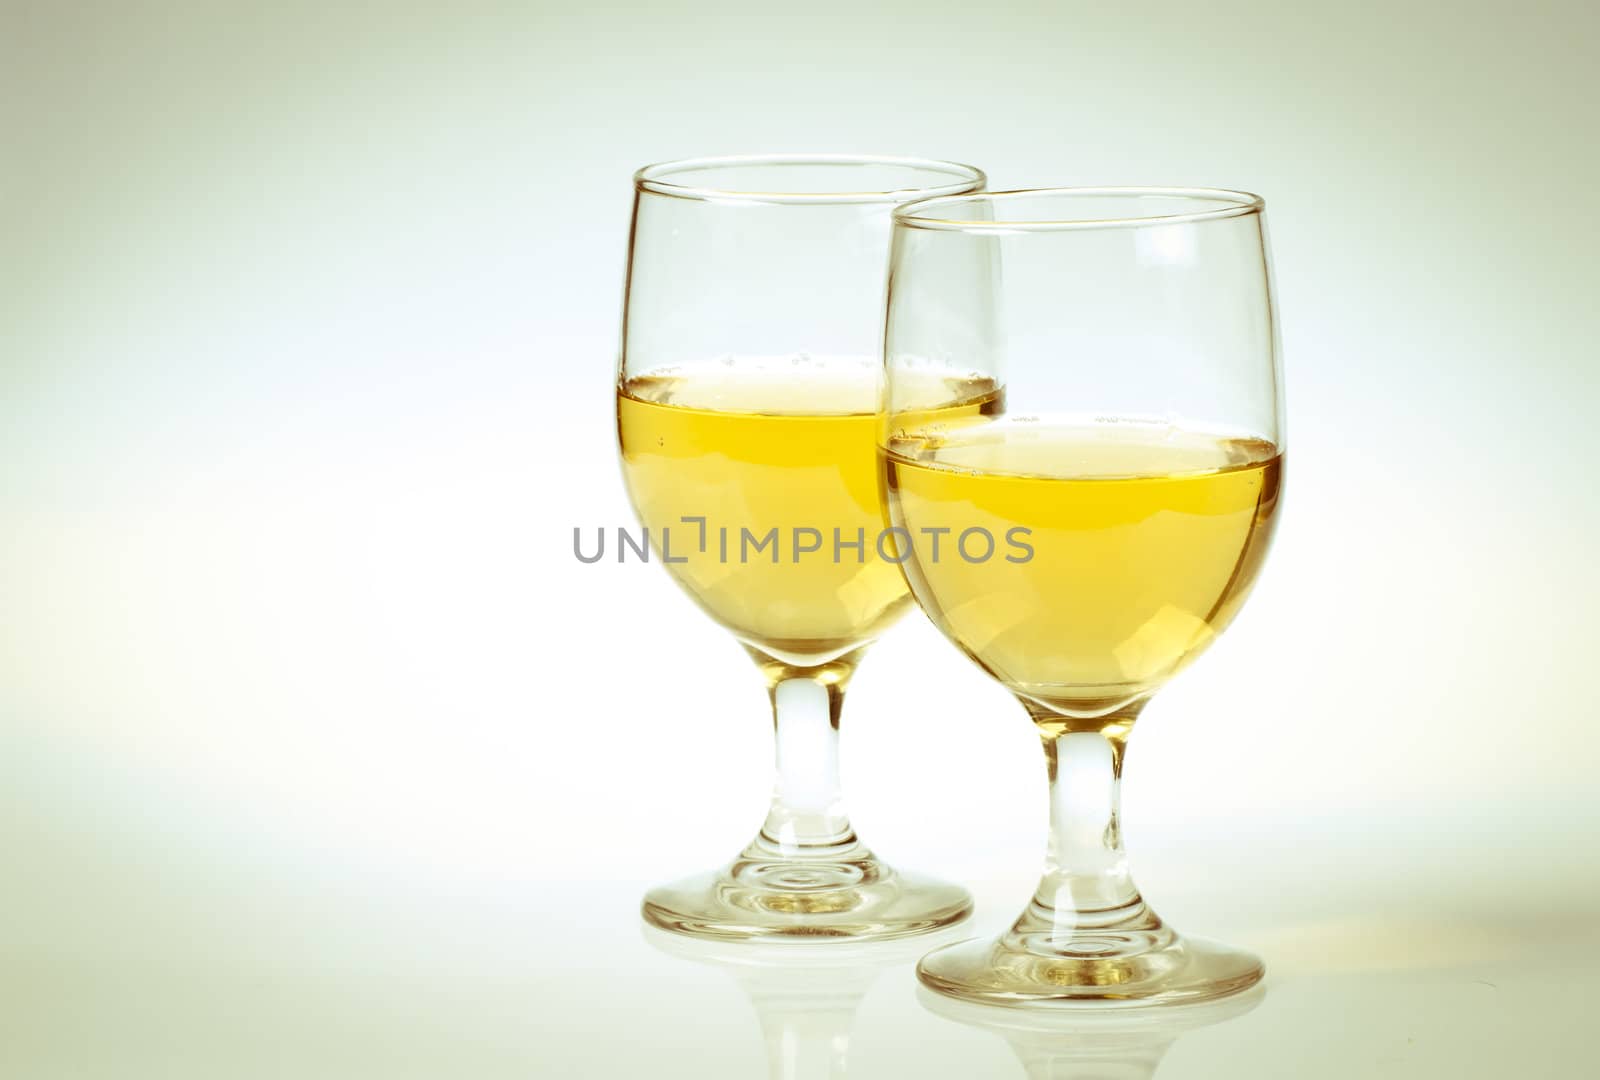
[966, 179]
[1227, 204]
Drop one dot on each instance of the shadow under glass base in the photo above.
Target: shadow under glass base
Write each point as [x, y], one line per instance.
[767, 895]
[1096, 971]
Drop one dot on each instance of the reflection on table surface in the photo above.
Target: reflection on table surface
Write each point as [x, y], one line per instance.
[804, 994]
[573, 985]
[1092, 1044]
[805, 998]
[1355, 998]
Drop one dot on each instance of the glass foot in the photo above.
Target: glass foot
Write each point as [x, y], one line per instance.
[762, 895]
[1147, 968]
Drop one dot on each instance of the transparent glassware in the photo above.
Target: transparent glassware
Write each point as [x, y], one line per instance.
[1092, 1044]
[746, 417]
[1095, 529]
[805, 994]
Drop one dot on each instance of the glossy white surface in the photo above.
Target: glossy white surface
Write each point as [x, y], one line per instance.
[141, 947]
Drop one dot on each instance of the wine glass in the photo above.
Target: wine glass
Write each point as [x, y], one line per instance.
[746, 413]
[1096, 528]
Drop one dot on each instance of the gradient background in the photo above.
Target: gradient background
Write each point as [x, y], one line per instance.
[308, 321]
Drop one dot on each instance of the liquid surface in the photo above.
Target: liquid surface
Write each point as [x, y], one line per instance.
[1145, 541]
[786, 445]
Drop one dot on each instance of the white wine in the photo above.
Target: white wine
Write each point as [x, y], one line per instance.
[1144, 542]
[785, 445]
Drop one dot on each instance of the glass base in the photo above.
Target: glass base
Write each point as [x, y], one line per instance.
[1093, 970]
[766, 896]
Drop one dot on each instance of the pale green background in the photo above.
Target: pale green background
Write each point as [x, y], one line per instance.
[321, 755]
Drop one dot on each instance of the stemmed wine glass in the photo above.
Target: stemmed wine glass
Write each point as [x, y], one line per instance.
[746, 404]
[1100, 525]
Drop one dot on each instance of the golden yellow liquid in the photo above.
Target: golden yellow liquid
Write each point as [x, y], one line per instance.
[786, 446]
[1145, 541]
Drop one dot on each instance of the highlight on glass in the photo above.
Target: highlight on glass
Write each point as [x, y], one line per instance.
[1135, 432]
[746, 414]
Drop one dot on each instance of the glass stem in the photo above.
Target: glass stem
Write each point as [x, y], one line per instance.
[1131, 1056]
[807, 1039]
[807, 815]
[1087, 889]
